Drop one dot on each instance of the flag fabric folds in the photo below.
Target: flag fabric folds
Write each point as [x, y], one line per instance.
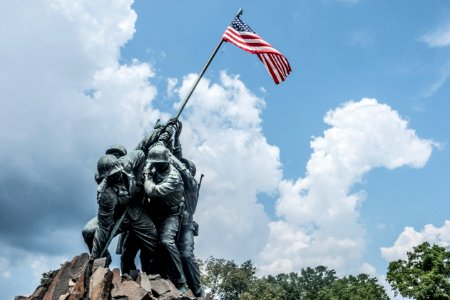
[241, 35]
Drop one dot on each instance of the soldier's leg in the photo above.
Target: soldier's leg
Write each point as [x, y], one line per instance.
[147, 238]
[105, 216]
[130, 250]
[89, 232]
[168, 234]
[190, 267]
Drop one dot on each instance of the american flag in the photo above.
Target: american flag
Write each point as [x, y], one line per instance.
[241, 35]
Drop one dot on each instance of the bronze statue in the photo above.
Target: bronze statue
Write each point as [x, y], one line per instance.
[149, 195]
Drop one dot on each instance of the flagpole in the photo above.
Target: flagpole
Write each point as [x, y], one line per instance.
[186, 99]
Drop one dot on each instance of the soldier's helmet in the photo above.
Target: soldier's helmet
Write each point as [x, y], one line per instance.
[190, 165]
[116, 150]
[107, 165]
[158, 154]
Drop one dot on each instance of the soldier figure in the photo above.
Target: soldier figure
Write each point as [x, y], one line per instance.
[189, 228]
[121, 191]
[164, 188]
[89, 229]
[129, 245]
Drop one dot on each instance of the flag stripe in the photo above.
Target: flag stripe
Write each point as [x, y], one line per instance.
[276, 62]
[271, 68]
[241, 35]
[253, 45]
[249, 46]
[277, 67]
[281, 64]
[247, 38]
[266, 65]
[272, 64]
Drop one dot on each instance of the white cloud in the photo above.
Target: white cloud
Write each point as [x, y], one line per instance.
[321, 209]
[78, 45]
[42, 263]
[171, 86]
[410, 238]
[440, 37]
[21, 270]
[64, 98]
[222, 134]
[101, 27]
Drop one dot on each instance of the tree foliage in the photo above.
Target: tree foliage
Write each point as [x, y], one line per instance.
[262, 289]
[312, 281]
[360, 287]
[227, 280]
[47, 277]
[424, 275]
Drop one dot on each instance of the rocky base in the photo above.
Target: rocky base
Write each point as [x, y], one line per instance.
[84, 279]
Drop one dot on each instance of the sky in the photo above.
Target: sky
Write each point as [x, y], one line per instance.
[345, 164]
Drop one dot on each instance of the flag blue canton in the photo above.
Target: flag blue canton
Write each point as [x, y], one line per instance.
[240, 26]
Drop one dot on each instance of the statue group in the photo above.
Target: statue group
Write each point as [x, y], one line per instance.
[148, 197]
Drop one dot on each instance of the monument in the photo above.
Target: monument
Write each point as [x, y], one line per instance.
[147, 197]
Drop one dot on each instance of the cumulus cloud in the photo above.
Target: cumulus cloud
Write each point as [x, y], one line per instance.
[53, 130]
[319, 214]
[64, 98]
[222, 133]
[410, 238]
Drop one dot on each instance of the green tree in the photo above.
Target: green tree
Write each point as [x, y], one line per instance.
[230, 281]
[360, 287]
[226, 279]
[424, 275]
[289, 283]
[312, 281]
[305, 285]
[263, 289]
[47, 277]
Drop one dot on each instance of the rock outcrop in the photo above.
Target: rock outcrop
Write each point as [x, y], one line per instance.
[83, 279]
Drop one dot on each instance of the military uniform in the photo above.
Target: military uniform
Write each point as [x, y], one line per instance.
[88, 231]
[186, 236]
[165, 190]
[188, 228]
[115, 198]
[130, 246]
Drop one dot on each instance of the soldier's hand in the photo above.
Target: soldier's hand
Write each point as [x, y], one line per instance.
[178, 129]
[172, 121]
[149, 186]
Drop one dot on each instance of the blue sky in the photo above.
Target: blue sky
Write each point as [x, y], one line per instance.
[343, 164]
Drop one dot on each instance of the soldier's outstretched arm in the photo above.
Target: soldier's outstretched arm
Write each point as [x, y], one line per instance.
[168, 131]
[177, 149]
